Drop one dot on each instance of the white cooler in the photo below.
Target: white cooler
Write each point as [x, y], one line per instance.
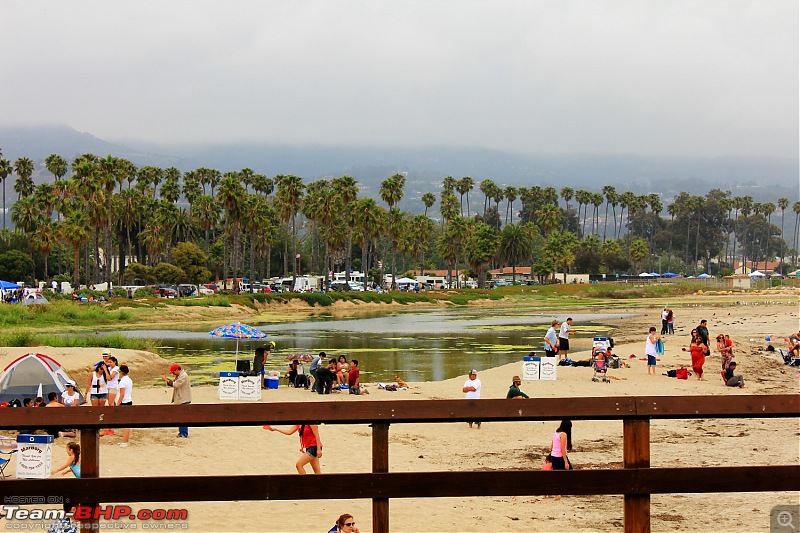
[34, 456]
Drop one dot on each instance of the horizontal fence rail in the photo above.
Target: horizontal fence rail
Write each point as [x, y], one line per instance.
[636, 480]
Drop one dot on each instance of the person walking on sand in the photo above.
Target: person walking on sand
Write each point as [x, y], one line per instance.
[702, 331]
[551, 340]
[698, 351]
[664, 320]
[181, 391]
[650, 350]
[563, 338]
[310, 446]
[472, 390]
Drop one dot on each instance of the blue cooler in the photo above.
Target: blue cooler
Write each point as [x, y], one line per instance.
[272, 382]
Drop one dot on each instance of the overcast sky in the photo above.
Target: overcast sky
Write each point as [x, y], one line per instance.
[694, 78]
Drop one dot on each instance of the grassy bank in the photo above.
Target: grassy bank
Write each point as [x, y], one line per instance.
[27, 337]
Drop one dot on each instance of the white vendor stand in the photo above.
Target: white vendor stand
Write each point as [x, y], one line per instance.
[530, 367]
[34, 456]
[228, 385]
[250, 387]
[547, 368]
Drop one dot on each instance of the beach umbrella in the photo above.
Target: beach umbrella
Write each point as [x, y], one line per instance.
[237, 331]
[301, 357]
[703, 276]
[670, 275]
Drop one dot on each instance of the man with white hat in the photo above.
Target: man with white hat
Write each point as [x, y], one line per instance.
[472, 390]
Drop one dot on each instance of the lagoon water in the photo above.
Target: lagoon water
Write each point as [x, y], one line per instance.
[416, 345]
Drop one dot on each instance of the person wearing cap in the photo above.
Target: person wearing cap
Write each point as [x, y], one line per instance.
[513, 391]
[472, 390]
[181, 391]
[70, 397]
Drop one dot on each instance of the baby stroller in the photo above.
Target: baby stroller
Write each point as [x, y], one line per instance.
[600, 367]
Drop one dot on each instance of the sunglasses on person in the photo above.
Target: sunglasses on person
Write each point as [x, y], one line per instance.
[349, 524]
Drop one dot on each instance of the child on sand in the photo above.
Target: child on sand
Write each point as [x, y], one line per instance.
[310, 446]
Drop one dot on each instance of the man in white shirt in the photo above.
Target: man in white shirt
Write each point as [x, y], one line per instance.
[472, 390]
[563, 338]
[125, 397]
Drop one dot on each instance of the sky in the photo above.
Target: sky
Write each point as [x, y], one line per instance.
[691, 78]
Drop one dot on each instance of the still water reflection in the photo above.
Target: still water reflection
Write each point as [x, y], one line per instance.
[418, 346]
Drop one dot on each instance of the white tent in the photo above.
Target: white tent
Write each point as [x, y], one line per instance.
[757, 274]
[32, 375]
[645, 275]
[406, 281]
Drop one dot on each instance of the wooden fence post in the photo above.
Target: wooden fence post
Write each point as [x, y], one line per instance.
[380, 464]
[636, 454]
[90, 468]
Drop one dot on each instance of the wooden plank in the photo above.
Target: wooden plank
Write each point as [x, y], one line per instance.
[90, 469]
[407, 411]
[415, 484]
[380, 465]
[636, 454]
[734, 406]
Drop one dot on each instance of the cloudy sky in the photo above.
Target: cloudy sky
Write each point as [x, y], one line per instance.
[694, 78]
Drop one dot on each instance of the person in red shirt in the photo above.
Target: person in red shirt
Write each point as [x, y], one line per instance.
[310, 446]
[353, 379]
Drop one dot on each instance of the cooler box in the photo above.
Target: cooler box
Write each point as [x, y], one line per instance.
[271, 379]
[272, 383]
[547, 368]
[250, 388]
[228, 386]
[530, 367]
[34, 456]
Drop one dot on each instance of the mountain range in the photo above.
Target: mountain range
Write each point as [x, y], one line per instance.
[764, 178]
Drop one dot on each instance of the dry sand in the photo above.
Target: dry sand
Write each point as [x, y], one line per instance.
[497, 446]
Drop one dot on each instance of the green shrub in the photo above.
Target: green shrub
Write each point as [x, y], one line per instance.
[144, 292]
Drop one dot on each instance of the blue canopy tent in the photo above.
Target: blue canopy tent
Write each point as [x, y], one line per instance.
[7, 285]
[670, 275]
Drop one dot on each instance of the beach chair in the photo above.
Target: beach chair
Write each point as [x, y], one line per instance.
[600, 367]
[8, 447]
[788, 357]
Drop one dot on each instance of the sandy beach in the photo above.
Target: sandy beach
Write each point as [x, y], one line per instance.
[513, 445]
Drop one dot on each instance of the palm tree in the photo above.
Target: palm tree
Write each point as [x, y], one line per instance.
[5, 171]
[548, 218]
[392, 192]
[584, 198]
[783, 203]
[515, 244]
[567, 193]
[463, 186]
[611, 199]
[639, 251]
[369, 220]
[191, 188]
[428, 199]
[24, 184]
[45, 238]
[231, 196]
[289, 196]
[75, 230]
[625, 200]
[597, 201]
[347, 190]
[56, 165]
[486, 187]
[207, 211]
[511, 194]
[768, 208]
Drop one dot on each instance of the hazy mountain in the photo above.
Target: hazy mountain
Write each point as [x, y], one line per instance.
[764, 178]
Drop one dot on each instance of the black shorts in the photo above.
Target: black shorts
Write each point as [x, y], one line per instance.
[311, 451]
[563, 344]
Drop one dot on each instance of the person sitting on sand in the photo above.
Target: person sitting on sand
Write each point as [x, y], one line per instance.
[73, 464]
[732, 380]
[341, 370]
[513, 391]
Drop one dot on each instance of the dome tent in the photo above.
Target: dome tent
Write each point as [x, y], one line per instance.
[24, 375]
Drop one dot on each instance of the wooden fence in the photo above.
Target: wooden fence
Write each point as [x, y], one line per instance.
[636, 480]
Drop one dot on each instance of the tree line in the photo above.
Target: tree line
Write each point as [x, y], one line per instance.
[203, 224]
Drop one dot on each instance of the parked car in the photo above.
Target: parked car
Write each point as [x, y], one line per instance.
[204, 291]
[212, 287]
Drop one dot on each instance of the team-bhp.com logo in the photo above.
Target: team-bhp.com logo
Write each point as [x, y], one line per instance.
[148, 518]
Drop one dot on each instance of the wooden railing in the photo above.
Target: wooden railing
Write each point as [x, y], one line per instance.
[636, 480]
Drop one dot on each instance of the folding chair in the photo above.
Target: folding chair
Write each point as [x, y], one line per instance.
[8, 447]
